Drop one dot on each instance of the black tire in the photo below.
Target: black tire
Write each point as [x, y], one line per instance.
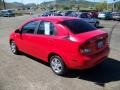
[14, 48]
[97, 24]
[63, 69]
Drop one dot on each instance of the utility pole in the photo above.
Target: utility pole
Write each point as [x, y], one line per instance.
[4, 4]
[114, 5]
[94, 5]
[107, 4]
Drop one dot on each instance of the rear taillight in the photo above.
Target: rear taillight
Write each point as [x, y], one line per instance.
[86, 48]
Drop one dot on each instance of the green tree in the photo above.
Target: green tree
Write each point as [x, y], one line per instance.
[101, 6]
[0, 4]
[118, 6]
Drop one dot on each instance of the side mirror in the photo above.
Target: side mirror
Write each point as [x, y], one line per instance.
[17, 31]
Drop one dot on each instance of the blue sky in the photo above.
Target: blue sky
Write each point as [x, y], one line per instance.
[39, 1]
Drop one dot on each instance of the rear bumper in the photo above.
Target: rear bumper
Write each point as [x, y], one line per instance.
[87, 62]
[116, 18]
[101, 17]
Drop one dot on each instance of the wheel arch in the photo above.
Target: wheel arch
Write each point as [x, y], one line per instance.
[52, 54]
[10, 40]
[62, 57]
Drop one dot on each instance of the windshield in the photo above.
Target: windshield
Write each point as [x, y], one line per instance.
[77, 26]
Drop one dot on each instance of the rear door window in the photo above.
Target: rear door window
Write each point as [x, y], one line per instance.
[46, 28]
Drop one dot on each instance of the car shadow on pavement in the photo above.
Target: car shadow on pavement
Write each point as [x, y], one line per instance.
[36, 59]
[100, 27]
[106, 72]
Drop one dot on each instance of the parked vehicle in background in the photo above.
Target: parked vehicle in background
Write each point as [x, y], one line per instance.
[68, 13]
[51, 13]
[47, 13]
[116, 16]
[86, 17]
[64, 42]
[0, 14]
[93, 14]
[7, 13]
[105, 15]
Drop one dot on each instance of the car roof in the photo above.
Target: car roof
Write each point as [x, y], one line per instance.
[7, 10]
[55, 19]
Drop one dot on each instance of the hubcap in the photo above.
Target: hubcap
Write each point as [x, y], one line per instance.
[13, 47]
[56, 65]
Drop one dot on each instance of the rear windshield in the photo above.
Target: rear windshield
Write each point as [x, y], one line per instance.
[77, 26]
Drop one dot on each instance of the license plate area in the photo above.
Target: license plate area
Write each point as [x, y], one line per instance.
[100, 44]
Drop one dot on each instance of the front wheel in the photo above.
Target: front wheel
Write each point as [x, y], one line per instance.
[57, 65]
[13, 47]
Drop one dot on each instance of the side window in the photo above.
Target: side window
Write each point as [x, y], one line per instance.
[52, 29]
[30, 27]
[46, 28]
[41, 28]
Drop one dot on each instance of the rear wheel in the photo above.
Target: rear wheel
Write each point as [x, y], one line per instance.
[57, 65]
[13, 47]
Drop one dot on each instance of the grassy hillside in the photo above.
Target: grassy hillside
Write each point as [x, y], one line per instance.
[68, 5]
[16, 5]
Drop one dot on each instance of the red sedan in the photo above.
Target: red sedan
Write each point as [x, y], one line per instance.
[64, 42]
